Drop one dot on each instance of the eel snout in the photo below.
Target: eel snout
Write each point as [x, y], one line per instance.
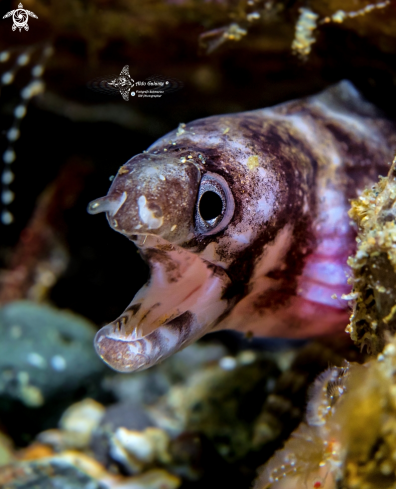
[151, 195]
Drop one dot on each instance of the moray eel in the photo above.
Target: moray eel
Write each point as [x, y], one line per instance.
[243, 220]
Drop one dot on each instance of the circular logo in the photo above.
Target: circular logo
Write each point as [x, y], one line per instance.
[20, 18]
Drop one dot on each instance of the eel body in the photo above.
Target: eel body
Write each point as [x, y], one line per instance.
[243, 220]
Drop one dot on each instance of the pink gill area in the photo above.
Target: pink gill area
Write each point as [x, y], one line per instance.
[323, 282]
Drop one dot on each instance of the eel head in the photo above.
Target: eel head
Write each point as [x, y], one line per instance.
[152, 202]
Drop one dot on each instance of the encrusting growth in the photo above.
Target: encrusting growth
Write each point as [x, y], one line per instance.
[349, 437]
[374, 264]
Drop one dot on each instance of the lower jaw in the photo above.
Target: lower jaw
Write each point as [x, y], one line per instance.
[129, 355]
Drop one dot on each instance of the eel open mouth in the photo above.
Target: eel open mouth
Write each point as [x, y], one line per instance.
[179, 304]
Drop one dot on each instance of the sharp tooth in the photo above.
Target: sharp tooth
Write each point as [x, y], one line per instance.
[137, 333]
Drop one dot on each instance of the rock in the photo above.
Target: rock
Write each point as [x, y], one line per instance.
[46, 356]
[53, 473]
[138, 450]
[75, 427]
[6, 449]
[219, 401]
[73, 470]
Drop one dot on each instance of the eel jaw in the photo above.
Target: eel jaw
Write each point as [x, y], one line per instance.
[180, 304]
[132, 355]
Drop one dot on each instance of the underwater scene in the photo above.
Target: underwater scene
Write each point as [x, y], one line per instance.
[198, 244]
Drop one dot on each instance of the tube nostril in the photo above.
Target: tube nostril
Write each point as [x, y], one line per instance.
[110, 204]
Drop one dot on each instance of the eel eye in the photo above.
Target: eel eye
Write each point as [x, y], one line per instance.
[215, 205]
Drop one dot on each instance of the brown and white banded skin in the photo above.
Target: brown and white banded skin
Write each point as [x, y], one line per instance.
[243, 219]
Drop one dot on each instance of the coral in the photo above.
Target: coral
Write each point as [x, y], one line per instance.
[374, 264]
[309, 21]
[349, 438]
[303, 39]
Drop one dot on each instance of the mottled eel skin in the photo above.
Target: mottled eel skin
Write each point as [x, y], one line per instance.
[243, 221]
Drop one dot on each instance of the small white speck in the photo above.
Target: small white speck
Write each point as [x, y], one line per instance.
[182, 159]
[7, 78]
[133, 94]
[33, 89]
[22, 59]
[389, 350]
[36, 360]
[13, 134]
[227, 363]
[20, 111]
[7, 177]
[9, 156]
[162, 178]
[253, 16]
[173, 227]
[247, 357]
[7, 218]
[7, 196]
[37, 70]
[4, 56]
[58, 363]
